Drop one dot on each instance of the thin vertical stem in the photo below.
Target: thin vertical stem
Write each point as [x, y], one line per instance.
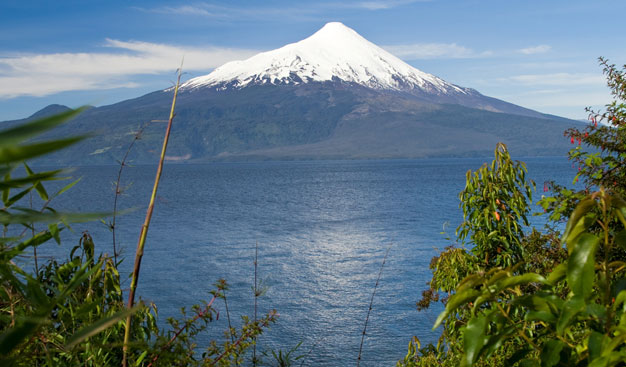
[118, 191]
[144, 227]
[380, 272]
[230, 327]
[256, 296]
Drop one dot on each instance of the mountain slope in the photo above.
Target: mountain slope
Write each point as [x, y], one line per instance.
[333, 95]
[338, 53]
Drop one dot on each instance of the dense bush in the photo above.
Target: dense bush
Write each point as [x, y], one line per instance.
[539, 299]
[70, 312]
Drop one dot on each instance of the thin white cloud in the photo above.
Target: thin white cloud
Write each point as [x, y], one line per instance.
[44, 74]
[540, 49]
[381, 4]
[186, 10]
[419, 51]
[555, 79]
[205, 9]
[229, 13]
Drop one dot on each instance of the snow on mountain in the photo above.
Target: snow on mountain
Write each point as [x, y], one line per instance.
[335, 52]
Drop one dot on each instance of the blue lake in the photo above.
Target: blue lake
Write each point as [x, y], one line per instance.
[322, 229]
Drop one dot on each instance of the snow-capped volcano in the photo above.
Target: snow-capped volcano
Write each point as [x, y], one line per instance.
[333, 95]
[335, 52]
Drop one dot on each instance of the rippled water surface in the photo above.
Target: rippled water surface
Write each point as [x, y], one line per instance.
[322, 230]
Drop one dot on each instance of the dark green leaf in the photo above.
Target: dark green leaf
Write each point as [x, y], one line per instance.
[582, 225]
[620, 205]
[581, 210]
[13, 337]
[550, 353]
[596, 310]
[595, 343]
[455, 302]
[30, 180]
[621, 300]
[571, 308]
[545, 316]
[529, 363]
[54, 231]
[581, 265]
[26, 131]
[35, 217]
[519, 280]
[519, 354]
[557, 274]
[35, 294]
[38, 186]
[620, 239]
[15, 198]
[34, 241]
[474, 339]
[10, 154]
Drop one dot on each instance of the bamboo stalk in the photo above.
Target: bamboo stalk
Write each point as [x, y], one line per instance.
[144, 227]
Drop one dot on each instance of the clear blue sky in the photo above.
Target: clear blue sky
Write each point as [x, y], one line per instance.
[538, 54]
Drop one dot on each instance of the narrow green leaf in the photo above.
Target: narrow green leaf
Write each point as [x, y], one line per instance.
[10, 154]
[37, 217]
[67, 187]
[38, 186]
[620, 205]
[621, 300]
[15, 198]
[30, 180]
[100, 325]
[557, 274]
[6, 191]
[26, 131]
[54, 231]
[80, 276]
[517, 280]
[5, 240]
[34, 241]
[143, 355]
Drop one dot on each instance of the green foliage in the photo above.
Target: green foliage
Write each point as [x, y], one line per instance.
[70, 312]
[584, 326]
[495, 205]
[551, 301]
[285, 358]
